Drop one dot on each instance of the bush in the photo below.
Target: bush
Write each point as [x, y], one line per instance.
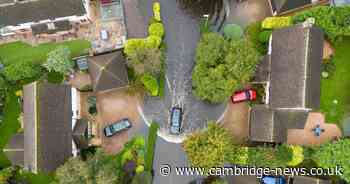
[156, 29]
[150, 84]
[151, 143]
[335, 21]
[252, 33]
[298, 156]
[153, 42]
[156, 11]
[276, 22]
[233, 32]
[55, 77]
[264, 36]
[22, 70]
[132, 45]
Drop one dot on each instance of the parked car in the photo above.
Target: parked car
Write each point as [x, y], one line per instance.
[273, 180]
[117, 127]
[175, 120]
[244, 95]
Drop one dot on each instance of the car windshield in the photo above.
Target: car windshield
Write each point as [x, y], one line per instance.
[176, 117]
[120, 125]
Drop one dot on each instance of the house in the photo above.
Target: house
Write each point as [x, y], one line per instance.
[41, 16]
[108, 71]
[49, 128]
[291, 73]
[283, 7]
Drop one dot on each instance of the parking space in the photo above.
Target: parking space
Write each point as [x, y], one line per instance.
[113, 106]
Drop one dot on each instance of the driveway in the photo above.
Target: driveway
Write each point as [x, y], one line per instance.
[248, 11]
[113, 106]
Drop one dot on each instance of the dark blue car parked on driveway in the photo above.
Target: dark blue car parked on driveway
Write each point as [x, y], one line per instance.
[273, 180]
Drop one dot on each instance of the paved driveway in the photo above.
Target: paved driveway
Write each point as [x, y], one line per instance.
[113, 106]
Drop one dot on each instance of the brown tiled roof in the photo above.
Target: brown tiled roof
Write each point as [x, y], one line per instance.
[286, 5]
[108, 71]
[80, 134]
[295, 67]
[48, 126]
[34, 11]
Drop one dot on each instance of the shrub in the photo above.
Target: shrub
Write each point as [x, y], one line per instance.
[55, 77]
[132, 45]
[276, 22]
[150, 84]
[335, 21]
[139, 169]
[252, 33]
[153, 42]
[233, 32]
[59, 60]
[156, 29]
[22, 70]
[264, 36]
[298, 155]
[156, 11]
[151, 143]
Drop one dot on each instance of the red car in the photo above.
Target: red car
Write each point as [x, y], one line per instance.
[244, 95]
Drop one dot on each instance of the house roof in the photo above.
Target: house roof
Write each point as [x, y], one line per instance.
[61, 25]
[14, 150]
[108, 71]
[242, 179]
[34, 11]
[271, 125]
[47, 126]
[309, 180]
[262, 73]
[80, 134]
[296, 67]
[264, 127]
[286, 5]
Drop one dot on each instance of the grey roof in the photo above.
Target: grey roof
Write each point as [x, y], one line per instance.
[47, 126]
[285, 5]
[309, 180]
[242, 179]
[6, 1]
[271, 125]
[108, 71]
[14, 150]
[262, 72]
[296, 67]
[61, 25]
[34, 11]
[80, 132]
[264, 127]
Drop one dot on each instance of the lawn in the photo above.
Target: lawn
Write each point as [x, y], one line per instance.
[18, 51]
[10, 124]
[335, 98]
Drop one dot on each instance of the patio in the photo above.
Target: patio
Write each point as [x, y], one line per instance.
[307, 136]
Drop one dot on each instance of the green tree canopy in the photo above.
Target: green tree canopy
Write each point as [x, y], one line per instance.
[222, 67]
[21, 70]
[332, 155]
[210, 147]
[59, 60]
[73, 171]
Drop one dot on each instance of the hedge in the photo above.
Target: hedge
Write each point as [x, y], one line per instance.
[156, 29]
[151, 143]
[156, 11]
[151, 84]
[276, 22]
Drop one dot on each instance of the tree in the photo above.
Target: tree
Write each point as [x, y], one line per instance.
[59, 60]
[145, 60]
[21, 70]
[6, 174]
[209, 148]
[98, 169]
[332, 155]
[222, 67]
[233, 32]
[73, 171]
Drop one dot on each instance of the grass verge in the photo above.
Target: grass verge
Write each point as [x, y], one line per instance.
[150, 146]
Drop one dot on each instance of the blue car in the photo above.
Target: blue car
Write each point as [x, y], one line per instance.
[273, 180]
[175, 120]
[117, 127]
